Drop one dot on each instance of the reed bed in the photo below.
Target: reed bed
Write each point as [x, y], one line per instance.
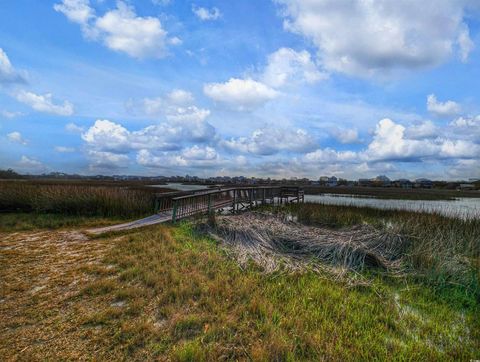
[444, 251]
[441, 251]
[276, 243]
[75, 199]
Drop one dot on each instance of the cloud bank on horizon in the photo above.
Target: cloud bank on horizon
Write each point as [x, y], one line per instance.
[279, 88]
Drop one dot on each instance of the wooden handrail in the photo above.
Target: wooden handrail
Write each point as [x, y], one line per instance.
[237, 198]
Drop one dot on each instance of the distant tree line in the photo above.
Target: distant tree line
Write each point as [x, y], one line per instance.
[9, 174]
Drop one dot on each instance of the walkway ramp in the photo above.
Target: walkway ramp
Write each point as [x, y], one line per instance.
[150, 220]
[173, 208]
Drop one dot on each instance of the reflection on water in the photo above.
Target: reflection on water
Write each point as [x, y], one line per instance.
[465, 208]
[181, 187]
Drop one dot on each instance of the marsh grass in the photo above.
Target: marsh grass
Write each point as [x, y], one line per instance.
[18, 221]
[442, 251]
[169, 293]
[185, 299]
[75, 199]
[280, 243]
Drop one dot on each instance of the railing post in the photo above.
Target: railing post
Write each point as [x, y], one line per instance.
[234, 200]
[263, 197]
[250, 195]
[174, 212]
[209, 203]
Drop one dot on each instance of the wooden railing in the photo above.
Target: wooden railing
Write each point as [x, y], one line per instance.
[238, 198]
[164, 201]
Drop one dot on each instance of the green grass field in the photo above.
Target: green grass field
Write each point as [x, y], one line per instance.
[11, 222]
[170, 293]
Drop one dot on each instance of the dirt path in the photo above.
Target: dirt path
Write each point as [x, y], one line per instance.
[41, 275]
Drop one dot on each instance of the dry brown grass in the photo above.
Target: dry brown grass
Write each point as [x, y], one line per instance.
[276, 243]
[76, 199]
[41, 275]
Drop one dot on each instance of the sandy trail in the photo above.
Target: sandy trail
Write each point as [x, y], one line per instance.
[40, 275]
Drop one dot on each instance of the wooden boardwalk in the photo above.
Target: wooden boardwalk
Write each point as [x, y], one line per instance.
[169, 207]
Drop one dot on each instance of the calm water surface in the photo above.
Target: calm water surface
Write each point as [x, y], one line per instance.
[180, 187]
[465, 208]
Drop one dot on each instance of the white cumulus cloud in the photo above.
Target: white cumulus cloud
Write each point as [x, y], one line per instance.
[102, 160]
[16, 137]
[120, 29]
[270, 141]
[329, 155]
[426, 129]
[466, 122]
[8, 74]
[176, 106]
[442, 109]
[365, 38]
[64, 149]
[74, 128]
[346, 135]
[199, 153]
[180, 97]
[109, 136]
[465, 44]
[77, 11]
[195, 157]
[206, 14]
[287, 65]
[9, 114]
[240, 94]
[139, 37]
[44, 103]
[28, 164]
[391, 143]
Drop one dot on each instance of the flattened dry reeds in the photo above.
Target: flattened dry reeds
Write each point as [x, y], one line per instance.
[274, 242]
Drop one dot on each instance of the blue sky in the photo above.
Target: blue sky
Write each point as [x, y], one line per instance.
[276, 88]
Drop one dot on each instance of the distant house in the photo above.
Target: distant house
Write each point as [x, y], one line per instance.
[328, 181]
[332, 181]
[423, 183]
[466, 187]
[323, 180]
[403, 183]
[364, 182]
[381, 180]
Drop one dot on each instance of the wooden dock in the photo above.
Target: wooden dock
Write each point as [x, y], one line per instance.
[232, 199]
[171, 207]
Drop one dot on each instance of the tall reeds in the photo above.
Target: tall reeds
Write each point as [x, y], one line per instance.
[443, 250]
[75, 199]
